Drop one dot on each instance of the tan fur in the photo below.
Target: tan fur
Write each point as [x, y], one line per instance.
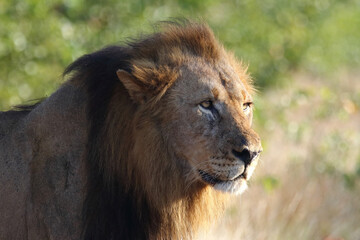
[172, 160]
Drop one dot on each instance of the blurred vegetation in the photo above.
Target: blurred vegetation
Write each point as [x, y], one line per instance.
[38, 39]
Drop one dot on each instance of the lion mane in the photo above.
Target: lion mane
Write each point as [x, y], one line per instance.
[92, 162]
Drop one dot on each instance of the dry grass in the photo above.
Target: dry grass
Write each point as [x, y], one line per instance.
[307, 185]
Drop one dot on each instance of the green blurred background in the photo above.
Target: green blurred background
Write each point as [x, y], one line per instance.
[304, 56]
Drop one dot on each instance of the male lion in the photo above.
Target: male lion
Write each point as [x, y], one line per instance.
[143, 141]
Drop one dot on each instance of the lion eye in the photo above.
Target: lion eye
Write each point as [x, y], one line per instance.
[206, 104]
[246, 106]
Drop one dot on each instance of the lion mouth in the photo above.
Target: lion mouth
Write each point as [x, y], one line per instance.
[214, 180]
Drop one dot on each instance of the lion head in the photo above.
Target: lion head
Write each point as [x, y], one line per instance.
[206, 106]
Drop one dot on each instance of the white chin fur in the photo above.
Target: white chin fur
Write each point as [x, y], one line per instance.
[233, 187]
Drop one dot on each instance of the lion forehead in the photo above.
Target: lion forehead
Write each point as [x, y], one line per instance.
[200, 81]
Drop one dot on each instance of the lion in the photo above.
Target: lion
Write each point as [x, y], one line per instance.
[142, 141]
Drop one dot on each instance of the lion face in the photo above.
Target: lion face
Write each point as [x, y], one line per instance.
[210, 126]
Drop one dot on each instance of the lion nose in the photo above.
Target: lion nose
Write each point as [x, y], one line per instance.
[246, 155]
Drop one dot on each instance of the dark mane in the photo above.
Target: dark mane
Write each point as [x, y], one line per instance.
[98, 74]
[28, 107]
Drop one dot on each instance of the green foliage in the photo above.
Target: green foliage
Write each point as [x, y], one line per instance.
[269, 183]
[352, 178]
[38, 39]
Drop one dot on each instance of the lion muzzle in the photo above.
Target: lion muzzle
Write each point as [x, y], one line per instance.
[246, 155]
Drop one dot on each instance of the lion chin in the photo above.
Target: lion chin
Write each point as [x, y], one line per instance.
[236, 184]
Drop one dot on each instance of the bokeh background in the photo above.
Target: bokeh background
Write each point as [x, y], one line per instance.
[304, 56]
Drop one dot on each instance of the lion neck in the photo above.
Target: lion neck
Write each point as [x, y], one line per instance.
[144, 182]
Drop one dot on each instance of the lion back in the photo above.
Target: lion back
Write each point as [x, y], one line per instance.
[42, 171]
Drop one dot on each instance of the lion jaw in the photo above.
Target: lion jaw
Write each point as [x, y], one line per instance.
[233, 184]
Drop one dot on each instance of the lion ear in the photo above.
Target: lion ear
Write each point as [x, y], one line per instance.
[134, 87]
